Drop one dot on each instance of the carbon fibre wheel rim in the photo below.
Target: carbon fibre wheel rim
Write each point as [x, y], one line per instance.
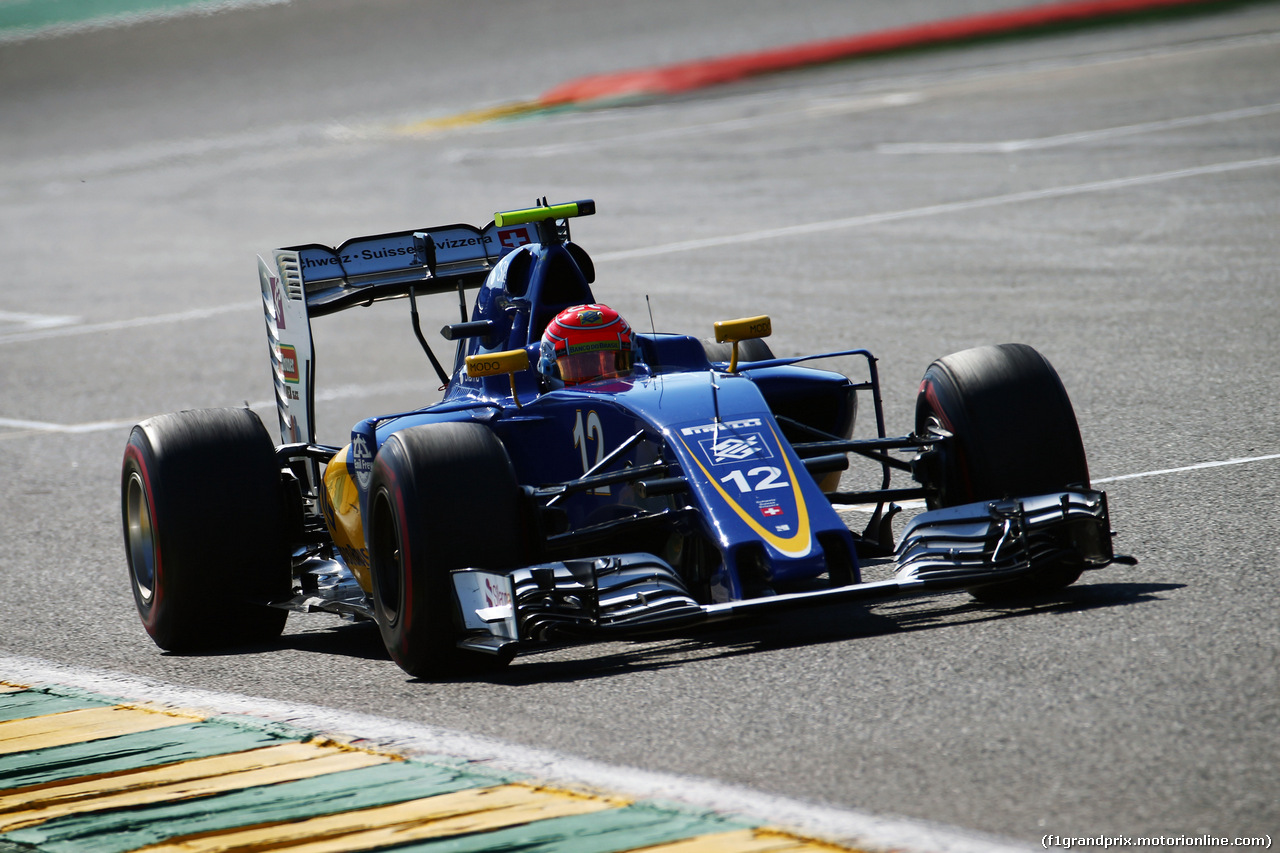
[386, 558]
[141, 538]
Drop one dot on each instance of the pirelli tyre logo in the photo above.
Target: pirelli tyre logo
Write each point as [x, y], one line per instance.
[728, 426]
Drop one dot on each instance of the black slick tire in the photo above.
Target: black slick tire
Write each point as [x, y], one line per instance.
[203, 518]
[752, 349]
[441, 497]
[1015, 433]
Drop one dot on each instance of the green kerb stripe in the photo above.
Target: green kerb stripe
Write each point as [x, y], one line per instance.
[34, 14]
[612, 831]
[133, 751]
[117, 832]
[37, 703]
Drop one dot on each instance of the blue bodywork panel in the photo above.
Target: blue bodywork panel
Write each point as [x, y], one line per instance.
[755, 504]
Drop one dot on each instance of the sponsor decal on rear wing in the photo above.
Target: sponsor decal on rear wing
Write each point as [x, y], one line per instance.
[385, 266]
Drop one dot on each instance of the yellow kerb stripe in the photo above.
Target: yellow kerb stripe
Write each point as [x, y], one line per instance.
[85, 725]
[200, 777]
[745, 841]
[470, 117]
[472, 810]
[74, 790]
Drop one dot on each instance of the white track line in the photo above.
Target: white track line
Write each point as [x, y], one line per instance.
[1243, 460]
[1200, 466]
[800, 230]
[15, 34]
[64, 331]
[339, 392]
[1010, 146]
[66, 429]
[29, 322]
[844, 826]
[864, 220]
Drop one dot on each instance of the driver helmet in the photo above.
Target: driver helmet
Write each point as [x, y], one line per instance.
[585, 343]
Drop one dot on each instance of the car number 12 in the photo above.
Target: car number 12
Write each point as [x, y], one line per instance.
[765, 477]
[593, 430]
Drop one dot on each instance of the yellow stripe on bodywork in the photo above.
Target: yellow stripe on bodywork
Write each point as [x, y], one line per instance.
[196, 778]
[746, 841]
[340, 500]
[796, 545]
[85, 725]
[472, 810]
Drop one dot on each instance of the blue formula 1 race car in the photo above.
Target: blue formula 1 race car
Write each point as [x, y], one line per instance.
[580, 479]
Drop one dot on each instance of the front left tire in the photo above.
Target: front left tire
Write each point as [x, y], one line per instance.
[1013, 433]
[441, 497]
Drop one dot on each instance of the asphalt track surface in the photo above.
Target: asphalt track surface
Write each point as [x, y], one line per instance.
[1105, 194]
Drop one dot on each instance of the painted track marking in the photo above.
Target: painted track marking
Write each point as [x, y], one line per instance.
[196, 778]
[359, 810]
[864, 220]
[63, 331]
[799, 230]
[1243, 460]
[25, 19]
[77, 726]
[1010, 146]
[24, 427]
[907, 91]
[32, 322]
[460, 813]
[301, 795]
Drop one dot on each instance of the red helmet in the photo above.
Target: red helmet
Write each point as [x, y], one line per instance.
[586, 342]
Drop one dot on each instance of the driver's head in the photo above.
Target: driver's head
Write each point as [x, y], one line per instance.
[586, 342]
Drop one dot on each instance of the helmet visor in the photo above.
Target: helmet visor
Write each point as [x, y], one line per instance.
[600, 364]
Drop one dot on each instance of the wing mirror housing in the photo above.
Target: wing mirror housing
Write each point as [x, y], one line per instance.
[743, 329]
[509, 362]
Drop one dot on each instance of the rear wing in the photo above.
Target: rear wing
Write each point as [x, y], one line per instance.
[301, 282]
[385, 266]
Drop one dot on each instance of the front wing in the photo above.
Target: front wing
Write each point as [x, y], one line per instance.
[963, 547]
